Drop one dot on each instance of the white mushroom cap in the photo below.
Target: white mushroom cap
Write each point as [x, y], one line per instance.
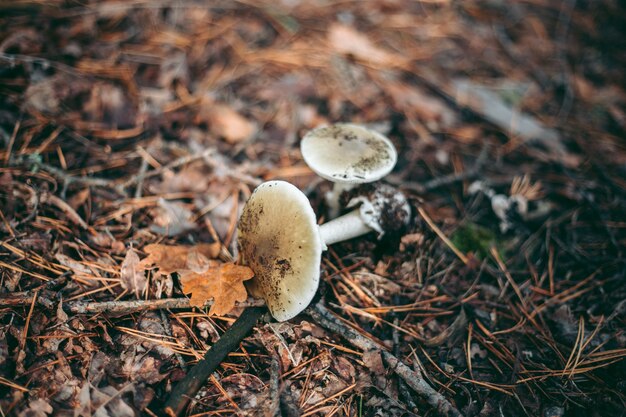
[348, 153]
[279, 239]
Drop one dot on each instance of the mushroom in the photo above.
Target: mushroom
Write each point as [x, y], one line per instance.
[281, 242]
[347, 155]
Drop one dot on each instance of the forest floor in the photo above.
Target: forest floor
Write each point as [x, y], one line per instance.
[125, 124]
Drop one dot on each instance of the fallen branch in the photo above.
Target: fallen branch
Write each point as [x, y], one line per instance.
[186, 389]
[413, 379]
[474, 172]
[131, 306]
[115, 307]
[32, 162]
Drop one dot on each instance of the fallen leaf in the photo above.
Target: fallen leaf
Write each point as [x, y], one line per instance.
[192, 178]
[494, 108]
[131, 274]
[44, 96]
[78, 268]
[62, 316]
[37, 408]
[416, 102]
[346, 40]
[451, 332]
[374, 361]
[169, 259]
[108, 241]
[171, 218]
[108, 401]
[83, 408]
[111, 105]
[221, 282]
[226, 122]
[477, 351]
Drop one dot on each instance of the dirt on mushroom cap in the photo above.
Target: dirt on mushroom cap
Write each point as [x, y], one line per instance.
[345, 157]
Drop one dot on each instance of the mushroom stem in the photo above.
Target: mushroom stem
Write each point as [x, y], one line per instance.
[381, 208]
[332, 198]
[342, 228]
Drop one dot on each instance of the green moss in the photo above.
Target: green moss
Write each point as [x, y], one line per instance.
[470, 237]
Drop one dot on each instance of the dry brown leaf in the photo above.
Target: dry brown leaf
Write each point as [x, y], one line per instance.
[229, 124]
[416, 102]
[171, 259]
[346, 40]
[221, 282]
[374, 361]
[171, 218]
[37, 408]
[131, 274]
[190, 178]
[111, 105]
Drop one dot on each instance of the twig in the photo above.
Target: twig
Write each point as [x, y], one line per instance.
[24, 298]
[61, 174]
[403, 388]
[183, 160]
[189, 386]
[274, 387]
[125, 307]
[11, 384]
[71, 214]
[141, 177]
[12, 140]
[443, 237]
[28, 317]
[115, 307]
[414, 379]
[472, 173]
[168, 331]
[12, 59]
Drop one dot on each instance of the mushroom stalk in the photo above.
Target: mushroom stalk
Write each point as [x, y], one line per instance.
[332, 197]
[343, 228]
[380, 209]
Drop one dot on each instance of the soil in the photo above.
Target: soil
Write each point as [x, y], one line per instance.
[125, 124]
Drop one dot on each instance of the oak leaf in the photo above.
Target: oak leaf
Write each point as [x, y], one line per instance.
[221, 282]
[170, 259]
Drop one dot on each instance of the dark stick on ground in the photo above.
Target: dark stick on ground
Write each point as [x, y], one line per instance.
[442, 181]
[186, 389]
[413, 379]
[274, 386]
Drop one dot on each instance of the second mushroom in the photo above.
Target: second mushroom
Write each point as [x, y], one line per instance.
[347, 155]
